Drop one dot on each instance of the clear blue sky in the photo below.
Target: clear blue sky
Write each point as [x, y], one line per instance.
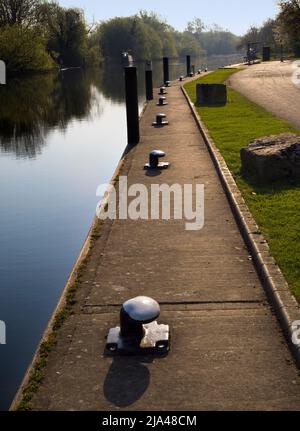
[235, 15]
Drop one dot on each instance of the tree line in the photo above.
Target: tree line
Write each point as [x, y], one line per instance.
[41, 35]
[38, 35]
[282, 31]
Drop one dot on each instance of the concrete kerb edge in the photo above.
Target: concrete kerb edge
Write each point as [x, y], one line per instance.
[243, 217]
[72, 277]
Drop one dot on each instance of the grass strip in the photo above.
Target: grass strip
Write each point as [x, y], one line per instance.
[275, 207]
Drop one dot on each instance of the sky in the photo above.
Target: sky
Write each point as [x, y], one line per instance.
[234, 15]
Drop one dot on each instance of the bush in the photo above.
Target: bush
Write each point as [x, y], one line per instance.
[24, 49]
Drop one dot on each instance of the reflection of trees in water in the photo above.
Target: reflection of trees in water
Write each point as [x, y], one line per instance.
[32, 106]
[24, 103]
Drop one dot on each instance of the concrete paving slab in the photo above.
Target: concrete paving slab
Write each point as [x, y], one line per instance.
[219, 360]
[227, 349]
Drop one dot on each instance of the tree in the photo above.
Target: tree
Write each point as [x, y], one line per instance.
[163, 30]
[264, 35]
[136, 35]
[196, 26]
[67, 34]
[23, 12]
[187, 44]
[93, 55]
[24, 49]
[289, 23]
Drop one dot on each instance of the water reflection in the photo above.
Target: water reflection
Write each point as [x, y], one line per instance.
[31, 107]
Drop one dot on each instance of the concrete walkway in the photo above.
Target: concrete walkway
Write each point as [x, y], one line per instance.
[270, 85]
[227, 350]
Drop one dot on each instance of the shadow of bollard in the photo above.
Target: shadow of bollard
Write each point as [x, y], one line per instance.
[127, 380]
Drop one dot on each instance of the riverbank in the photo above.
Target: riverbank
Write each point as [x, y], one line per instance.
[209, 292]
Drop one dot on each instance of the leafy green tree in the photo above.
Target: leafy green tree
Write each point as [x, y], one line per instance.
[67, 34]
[163, 31]
[196, 26]
[187, 44]
[24, 49]
[214, 40]
[289, 23]
[23, 12]
[264, 35]
[145, 35]
[93, 56]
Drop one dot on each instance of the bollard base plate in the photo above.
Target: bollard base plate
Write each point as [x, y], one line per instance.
[163, 123]
[156, 341]
[160, 166]
[162, 104]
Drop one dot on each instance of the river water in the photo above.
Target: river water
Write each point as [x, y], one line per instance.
[61, 135]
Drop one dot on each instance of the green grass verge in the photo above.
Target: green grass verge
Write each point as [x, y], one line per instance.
[276, 208]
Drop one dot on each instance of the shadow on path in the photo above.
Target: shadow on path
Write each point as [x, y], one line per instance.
[127, 380]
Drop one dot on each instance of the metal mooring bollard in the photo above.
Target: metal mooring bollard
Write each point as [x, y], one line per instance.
[188, 65]
[132, 106]
[149, 80]
[181, 78]
[162, 91]
[139, 332]
[160, 120]
[154, 163]
[166, 69]
[162, 101]
[168, 83]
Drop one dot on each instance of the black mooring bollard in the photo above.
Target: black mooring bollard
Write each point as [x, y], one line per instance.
[149, 80]
[139, 332]
[188, 65]
[132, 106]
[166, 69]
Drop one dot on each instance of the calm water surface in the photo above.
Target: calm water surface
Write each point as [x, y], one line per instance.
[61, 135]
